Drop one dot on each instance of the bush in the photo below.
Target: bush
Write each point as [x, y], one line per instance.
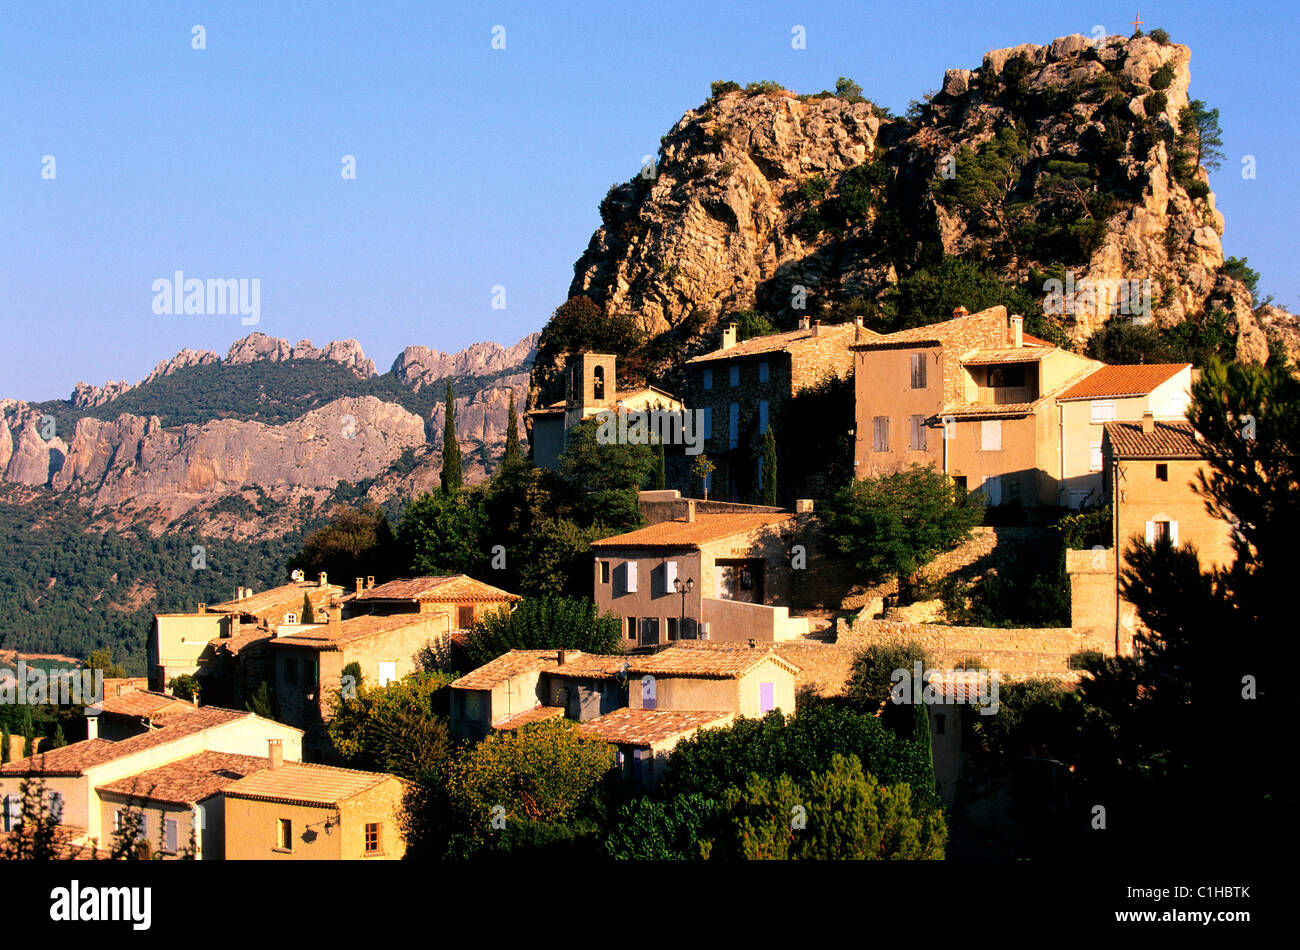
[1162, 77]
[764, 86]
[544, 623]
[1155, 103]
[719, 89]
[1160, 36]
[871, 678]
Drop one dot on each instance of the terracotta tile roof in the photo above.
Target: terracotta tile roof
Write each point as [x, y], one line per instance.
[844, 333]
[506, 666]
[1126, 380]
[305, 783]
[330, 636]
[247, 637]
[936, 334]
[74, 759]
[536, 714]
[455, 587]
[642, 727]
[1022, 354]
[680, 533]
[70, 844]
[1033, 340]
[145, 705]
[972, 410]
[285, 595]
[189, 780]
[713, 662]
[1168, 440]
[590, 666]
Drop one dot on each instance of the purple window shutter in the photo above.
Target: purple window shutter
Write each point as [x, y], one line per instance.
[766, 697]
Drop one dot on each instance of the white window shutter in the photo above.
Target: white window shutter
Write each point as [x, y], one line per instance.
[1151, 532]
[629, 576]
[991, 435]
[670, 575]
[1173, 533]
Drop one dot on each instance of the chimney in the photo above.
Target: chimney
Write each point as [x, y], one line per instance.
[322, 580]
[690, 510]
[275, 752]
[1017, 331]
[203, 608]
[804, 323]
[560, 656]
[729, 336]
[359, 583]
[92, 726]
[370, 581]
[960, 311]
[817, 328]
[857, 321]
[803, 506]
[1148, 422]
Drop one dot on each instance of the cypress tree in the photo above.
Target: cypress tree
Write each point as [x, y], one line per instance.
[451, 475]
[769, 467]
[661, 467]
[514, 456]
[6, 740]
[308, 614]
[29, 733]
[59, 741]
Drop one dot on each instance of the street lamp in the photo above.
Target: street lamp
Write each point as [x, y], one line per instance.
[683, 589]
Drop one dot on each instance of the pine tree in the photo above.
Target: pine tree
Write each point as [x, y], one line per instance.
[769, 467]
[514, 455]
[451, 474]
[6, 740]
[59, 741]
[308, 613]
[661, 468]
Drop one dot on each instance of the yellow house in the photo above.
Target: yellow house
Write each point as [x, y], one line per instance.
[973, 396]
[745, 680]
[644, 738]
[496, 691]
[74, 773]
[295, 811]
[1120, 393]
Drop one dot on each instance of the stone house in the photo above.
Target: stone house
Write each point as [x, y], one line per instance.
[1113, 394]
[74, 773]
[497, 691]
[713, 576]
[740, 389]
[452, 602]
[591, 386]
[137, 712]
[973, 396]
[643, 739]
[297, 811]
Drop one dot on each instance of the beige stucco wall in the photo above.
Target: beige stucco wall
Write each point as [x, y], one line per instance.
[1145, 498]
[252, 827]
[650, 599]
[178, 643]
[738, 695]
[154, 813]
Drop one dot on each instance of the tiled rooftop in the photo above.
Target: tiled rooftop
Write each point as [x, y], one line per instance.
[189, 780]
[328, 636]
[642, 727]
[989, 332]
[975, 410]
[593, 665]
[784, 342]
[536, 714]
[145, 704]
[504, 667]
[305, 783]
[1125, 380]
[680, 533]
[717, 663]
[455, 587]
[74, 759]
[1021, 354]
[286, 594]
[1168, 440]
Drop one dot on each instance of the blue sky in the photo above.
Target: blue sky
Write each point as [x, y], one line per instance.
[475, 167]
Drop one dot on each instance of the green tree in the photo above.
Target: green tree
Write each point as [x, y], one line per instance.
[846, 88]
[29, 733]
[1200, 141]
[661, 468]
[102, 659]
[555, 559]
[185, 686]
[260, 703]
[6, 743]
[514, 455]
[871, 677]
[648, 830]
[452, 481]
[768, 469]
[395, 728]
[701, 469]
[603, 479]
[544, 623]
[751, 323]
[931, 293]
[896, 524]
[308, 614]
[358, 542]
[442, 533]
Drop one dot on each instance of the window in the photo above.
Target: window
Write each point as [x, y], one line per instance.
[1094, 456]
[291, 669]
[938, 724]
[598, 383]
[1012, 488]
[169, 835]
[918, 434]
[1103, 410]
[1001, 377]
[284, 834]
[56, 805]
[991, 435]
[387, 672]
[708, 422]
[880, 434]
[708, 378]
[735, 374]
[766, 697]
[918, 371]
[1162, 471]
[733, 425]
[372, 837]
[762, 416]
[631, 628]
[464, 616]
[473, 709]
[144, 828]
[670, 575]
[604, 572]
[629, 577]
[764, 371]
[672, 628]
[117, 819]
[290, 618]
[649, 631]
[1162, 530]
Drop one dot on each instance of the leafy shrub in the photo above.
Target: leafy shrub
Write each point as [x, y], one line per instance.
[1155, 103]
[719, 89]
[544, 623]
[1160, 36]
[764, 87]
[1162, 77]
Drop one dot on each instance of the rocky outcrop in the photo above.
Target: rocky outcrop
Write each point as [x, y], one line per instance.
[419, 366]
[34, 460]
[85, 396]
[182, 360]
[259, 347]
[722, 224]
[135, 459]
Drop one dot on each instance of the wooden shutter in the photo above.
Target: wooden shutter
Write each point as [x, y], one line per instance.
[1173, 533]
[629, 577]
[766, 697]
[1151, 532]
[169, 835]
